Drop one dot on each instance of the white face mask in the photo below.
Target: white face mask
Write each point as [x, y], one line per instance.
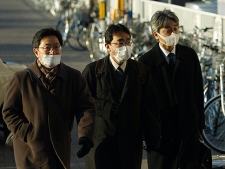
[171, 40]
[123, 53]
[50, 61]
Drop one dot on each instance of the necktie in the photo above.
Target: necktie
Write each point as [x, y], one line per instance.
[171, 61]
[120, 71]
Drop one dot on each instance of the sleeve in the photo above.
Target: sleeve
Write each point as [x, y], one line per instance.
[151, 116]
[89, 75]
[12, 110]
[199, 95]
[87, 113]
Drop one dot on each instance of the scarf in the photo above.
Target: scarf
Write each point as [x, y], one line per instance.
[49, 73]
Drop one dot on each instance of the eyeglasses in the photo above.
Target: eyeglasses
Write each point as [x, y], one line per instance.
[123, 43]
[49, 48]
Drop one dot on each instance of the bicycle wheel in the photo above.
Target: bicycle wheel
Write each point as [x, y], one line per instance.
[75, 34]
[61, 26]
[95, 42]
[92, 36]
[214, 131]
[82, 37]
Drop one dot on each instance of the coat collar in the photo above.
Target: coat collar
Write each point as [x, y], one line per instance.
[159, 57]
[131, 79]
[129, 62]
[62, 71]
[166, 53]
[115, 65]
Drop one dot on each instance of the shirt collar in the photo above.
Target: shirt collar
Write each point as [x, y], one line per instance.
[115, 65]
[166, 53]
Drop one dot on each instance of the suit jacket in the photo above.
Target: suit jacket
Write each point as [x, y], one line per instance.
[180, 97]
[125, 115]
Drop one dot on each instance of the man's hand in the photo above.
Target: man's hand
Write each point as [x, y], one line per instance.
[87, 144]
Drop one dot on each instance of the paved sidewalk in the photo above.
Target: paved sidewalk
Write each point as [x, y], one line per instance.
[19, 21]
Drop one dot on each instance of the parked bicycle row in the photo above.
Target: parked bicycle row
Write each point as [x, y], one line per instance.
[211, 58]
[81, 29]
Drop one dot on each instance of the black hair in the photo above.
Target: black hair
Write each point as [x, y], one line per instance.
[114, 29]
[46, 32]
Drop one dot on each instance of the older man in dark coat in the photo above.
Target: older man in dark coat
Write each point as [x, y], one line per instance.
[179, 87]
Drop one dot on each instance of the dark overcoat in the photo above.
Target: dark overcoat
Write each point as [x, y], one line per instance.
[184, 91]
[40, 132]
[133, 111]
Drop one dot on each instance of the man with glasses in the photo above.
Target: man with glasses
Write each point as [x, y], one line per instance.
[41, 126]
[122, 91]
[177, 77]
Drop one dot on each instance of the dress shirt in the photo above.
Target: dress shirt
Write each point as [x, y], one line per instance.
[166, 53]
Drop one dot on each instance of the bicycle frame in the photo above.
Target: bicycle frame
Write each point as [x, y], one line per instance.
[221, 85]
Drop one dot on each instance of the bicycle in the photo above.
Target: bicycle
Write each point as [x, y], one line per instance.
[142, 37]
[212, 63]
[72, 28]
[95, 41]
[207, 50]
[214, 131]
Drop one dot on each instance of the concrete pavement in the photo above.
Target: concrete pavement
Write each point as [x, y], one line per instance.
[19, 21]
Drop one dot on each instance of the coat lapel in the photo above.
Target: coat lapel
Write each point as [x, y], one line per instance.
[163, 65]
[178, 57]
[109, 78]
[131, 79]
[110, 81]
[160, 60]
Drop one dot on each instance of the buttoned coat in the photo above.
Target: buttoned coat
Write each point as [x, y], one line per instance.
[124, 121]
[183, 90]
[40, 132]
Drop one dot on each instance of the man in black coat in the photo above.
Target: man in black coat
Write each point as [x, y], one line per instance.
[123, 99]
[177, 78]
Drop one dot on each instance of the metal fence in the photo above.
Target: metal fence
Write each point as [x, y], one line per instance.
[188, 18]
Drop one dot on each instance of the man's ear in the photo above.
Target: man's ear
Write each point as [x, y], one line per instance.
[107, 47]
[35, 52]
[156, 36]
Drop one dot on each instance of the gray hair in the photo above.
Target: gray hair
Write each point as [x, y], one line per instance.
[160, 19]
